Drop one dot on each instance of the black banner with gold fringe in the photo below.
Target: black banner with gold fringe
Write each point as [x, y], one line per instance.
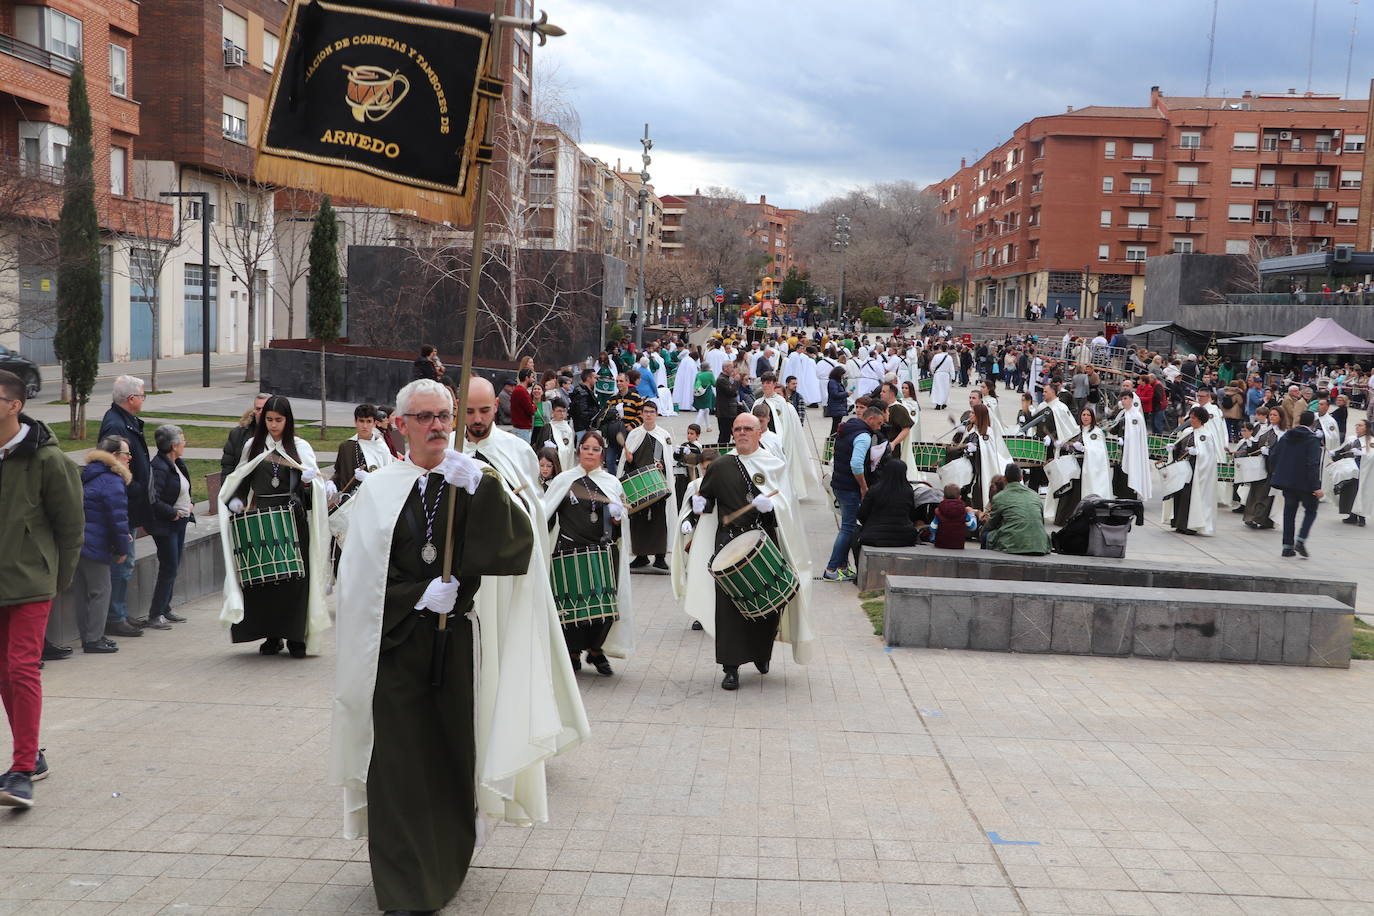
[382, 101]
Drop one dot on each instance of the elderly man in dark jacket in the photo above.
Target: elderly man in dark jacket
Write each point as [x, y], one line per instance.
[122, 421]
[240, 436]
[105, 499]
[1295, 467]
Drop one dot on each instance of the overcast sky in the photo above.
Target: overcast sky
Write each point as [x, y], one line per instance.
[803, 99]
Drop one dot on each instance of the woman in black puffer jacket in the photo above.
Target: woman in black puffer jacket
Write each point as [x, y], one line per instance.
[836, 399]
[887, 515]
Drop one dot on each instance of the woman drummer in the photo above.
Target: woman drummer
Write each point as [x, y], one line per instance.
[989, 388]
[585, 507]
[1095, 474]
[279, 470]
[1259, 503]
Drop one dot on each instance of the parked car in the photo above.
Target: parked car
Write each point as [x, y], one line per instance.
[23, 367]
[936, 312]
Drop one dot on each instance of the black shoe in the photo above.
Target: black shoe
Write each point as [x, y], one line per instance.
[270, 646]
[731, 680]
[139, 622]
[1301, 548]
[297, 649]
[1350, 520]
[1289, 552]
[40, 769]
[16, 791]
[577, 662]
[157, 623]
[762, 666]
[99, 647]
[660, 563]
[122, 628]
[1238, 510]
[696, 625]
[602, 665]
[173, 618]
[639, 562]
[409, 913]
[1361, 518]
[1265, 526]
[53, 653]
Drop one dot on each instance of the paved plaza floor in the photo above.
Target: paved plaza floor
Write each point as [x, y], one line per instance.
[188, 777]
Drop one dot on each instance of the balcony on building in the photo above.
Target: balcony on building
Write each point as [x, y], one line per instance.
[45, 41]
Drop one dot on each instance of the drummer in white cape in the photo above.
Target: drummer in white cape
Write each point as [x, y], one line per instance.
[1218, 435]
[423, 734]
[278, 477]
[649, 451]
[561, 439]
[1135, 446]
[1192, 508]
[743, 498]
[802, 469]
[585, 509]
[1331, 439]
[1356, 494]
[942, 372]
[1095, 468]
[1055, 411]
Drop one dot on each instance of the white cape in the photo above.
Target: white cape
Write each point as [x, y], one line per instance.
[665, 441]
[528, 707]
[317, 529]
[1364, 497]
[803, 467]
[620, 641]
[1096, 477]
[700, 594]
[1202, 503]
[942, 370]
[687, 369]
[1135, 454]
[801, 366]
[565, 441]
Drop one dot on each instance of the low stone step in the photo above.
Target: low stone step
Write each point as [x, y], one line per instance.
[1162, 623]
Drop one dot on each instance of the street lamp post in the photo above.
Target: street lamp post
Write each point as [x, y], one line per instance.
[840, 242]
[643, 238]
[204, 279]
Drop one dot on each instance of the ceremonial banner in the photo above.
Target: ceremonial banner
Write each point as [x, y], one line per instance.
[382, 101]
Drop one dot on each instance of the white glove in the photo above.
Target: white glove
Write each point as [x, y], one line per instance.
[549, 443]
[620, 409]
[616, 510]
[970, 448]
[1049, 440]
[698, 504]
[309, 474]
[439, 596]
[1264, 450]
[330, 491]
[1058, 444]
[460, 471]
[1079, 447]
[686, 527]
[1192, 450]
[235, 505]
[762, 503]
[1358, 453]
[360, 475]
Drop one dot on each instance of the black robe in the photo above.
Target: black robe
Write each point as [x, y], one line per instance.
[421, 782]
[727, 487]
[585, 522]
[1259, 501]
[648, 526]
[278, 609]
[1183, 499]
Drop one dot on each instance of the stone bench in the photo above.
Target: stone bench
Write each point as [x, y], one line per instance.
[878, 563]
[1165, 623]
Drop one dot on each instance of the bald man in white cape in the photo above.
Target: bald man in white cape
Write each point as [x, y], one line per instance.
[802, 468]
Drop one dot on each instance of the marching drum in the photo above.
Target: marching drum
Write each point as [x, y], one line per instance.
[927, 456]
[926, 384]
[584, 587]
[1159, 447]
[1251, 468]
[958, 472]
[829, 450]
[1175, 476]
[643, 488]
[1226, 471]
[1026, 451]
[1062, 472]
[266, 549]
[1114, 450]
[754, 573]
[1343, 470]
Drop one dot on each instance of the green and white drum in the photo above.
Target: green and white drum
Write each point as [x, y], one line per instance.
[1159, 447]
[927, 456]
[1113, 451]
[266, 549]
[643, 488]
[754, 573]
[925, 384]
[829, 450]
[584, 585]
[1026, 451]
[1226, 471]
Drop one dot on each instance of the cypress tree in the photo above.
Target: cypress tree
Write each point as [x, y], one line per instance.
[80, 312]
[324, 302]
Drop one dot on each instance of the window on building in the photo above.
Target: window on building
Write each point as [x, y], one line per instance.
[1142, 150]
[1034, 218]
[119, 70]
[1141, 185]
[1034, 249]
[1107, 184]
[1183, 246]
[1109, 149]
[1190, 139]
[235, 29]
[193, 211]
[1237, 246]
[1135, 252]
[1104, 218]
[1271, 142]
[1038, 183]
[119, 162]
[235, 119]
[1347, 216]
[1239, 213]
[1296, 145]
[1321, 179]
[977, 259]
[1242, 178]
[1138, 218]
[1187, 174]
[1104, 252]
[1185, 210]
[1317, 214]
[270, 46]
[1316, 246]
[1351, 178]
[1266, 178]
[1011, 190]
[1264, 213]
[1354, 143]
[1323, 143]
[61, 33]
[1245, 139]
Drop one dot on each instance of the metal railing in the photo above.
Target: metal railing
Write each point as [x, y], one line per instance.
[1314, 298]
[36, 55]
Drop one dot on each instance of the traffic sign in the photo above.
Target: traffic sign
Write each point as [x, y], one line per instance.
[720, 291]
[720, 297]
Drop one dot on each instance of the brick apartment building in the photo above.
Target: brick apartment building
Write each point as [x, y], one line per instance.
[1070, 206]
[768, 228]
[40, 46]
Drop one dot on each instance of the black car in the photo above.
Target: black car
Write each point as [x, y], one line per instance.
[938, 312]
[23, 367]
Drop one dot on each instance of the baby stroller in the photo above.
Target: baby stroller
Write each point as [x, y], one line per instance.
[1099, 527]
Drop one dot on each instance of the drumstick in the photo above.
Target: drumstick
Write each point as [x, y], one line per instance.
[738, 512]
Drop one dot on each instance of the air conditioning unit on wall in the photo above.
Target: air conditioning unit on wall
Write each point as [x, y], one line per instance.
[233, 55]
[1285, 135]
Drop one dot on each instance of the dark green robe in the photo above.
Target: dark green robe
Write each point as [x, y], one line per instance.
[277, 610]
[648, 526]
[421, 782]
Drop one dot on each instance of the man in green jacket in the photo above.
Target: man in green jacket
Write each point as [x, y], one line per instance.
[40, 542]
[1015, 521]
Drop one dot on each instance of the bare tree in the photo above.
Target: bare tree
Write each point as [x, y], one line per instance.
[719, 235]
[30, 196]
[153, 233]
[292, 216]
[249, 240]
